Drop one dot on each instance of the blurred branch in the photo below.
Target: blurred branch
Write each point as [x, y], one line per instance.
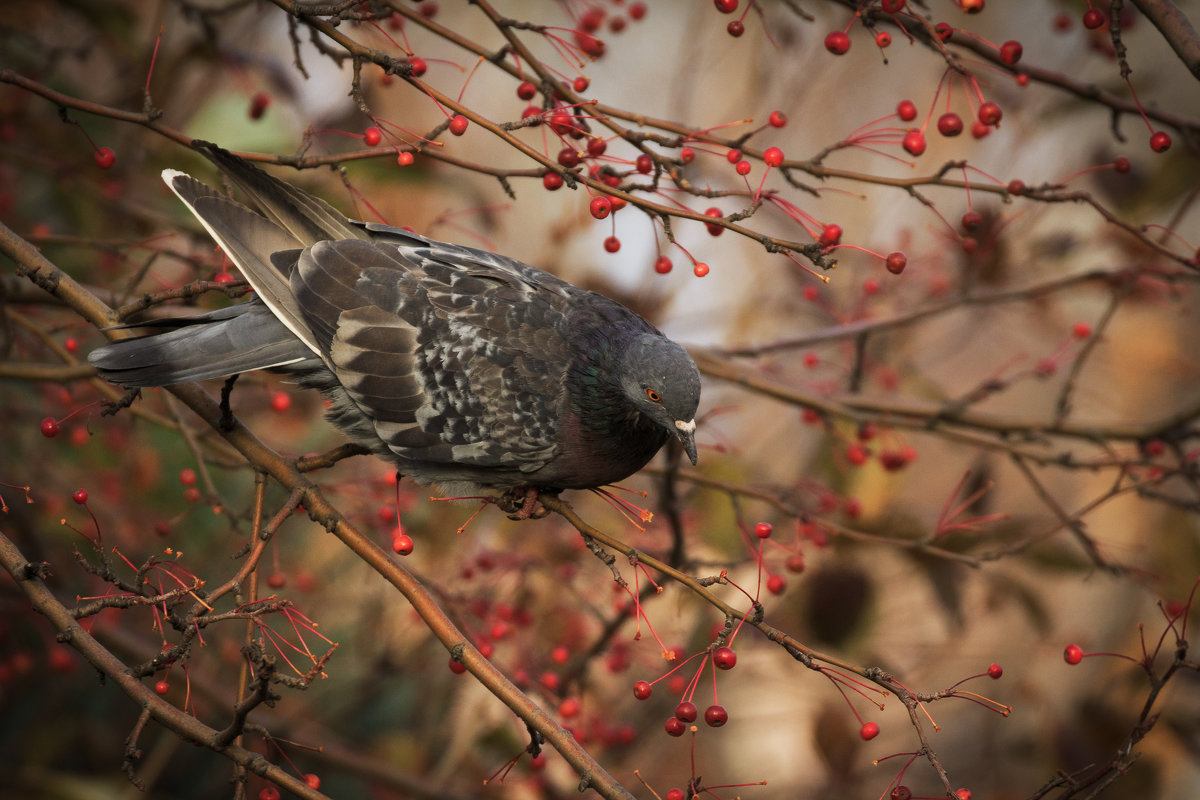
[1176, 30]
[30, 579]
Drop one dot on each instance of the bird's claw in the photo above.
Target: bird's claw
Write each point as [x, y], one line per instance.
[522, 503]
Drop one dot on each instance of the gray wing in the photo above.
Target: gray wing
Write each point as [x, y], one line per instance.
[455, 355]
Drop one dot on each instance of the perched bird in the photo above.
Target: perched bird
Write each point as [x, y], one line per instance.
[463, 367]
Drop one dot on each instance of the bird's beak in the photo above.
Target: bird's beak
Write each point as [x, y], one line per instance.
[686, 431]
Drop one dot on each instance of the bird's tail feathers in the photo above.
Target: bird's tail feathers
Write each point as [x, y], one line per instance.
[309, 219]
[208, 346]
[251, 241]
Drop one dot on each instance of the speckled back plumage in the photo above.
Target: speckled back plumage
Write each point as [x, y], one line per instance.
[457, 364]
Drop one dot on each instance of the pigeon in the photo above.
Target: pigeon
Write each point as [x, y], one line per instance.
[464, 368]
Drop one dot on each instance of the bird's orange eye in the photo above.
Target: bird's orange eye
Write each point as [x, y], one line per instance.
[654, 396]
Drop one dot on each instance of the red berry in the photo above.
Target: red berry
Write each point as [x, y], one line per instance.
[1160, 141]
[258, 104]
[943, 31]
[405, 158]
[277, 580]
[716, 716]
[418, 66]
[562, 123]
[612, 244]
[972, 220]
[896, 262]
[456, 666]
[837, 43]
[773, 156]
[591, 19]
[268, 793]
[568, 157]
[962, 794]
[596, 147]
[644, 164]
[831, 234]
[868, 731]
[600, 207]
[458, 125]
[49, 427]
[971, 6]
[187, 477]
[950, 124]
[906, 110]
[883, 39]
[857, 455]
[733, 155]
[372, 136]
[994, 671]
[795, 563]
[569, 707]
[676, 726]
[162, 687]
[763, 530]
[700, 270]
[402, 544]
[1011, 52]
[581, 84]
[726, 6]
[662, 265]
[742, 167]
[979, 130]
[1073, 654]
[901, 792]
[990, 113]
[675, 794]
[715, 213]
[776, 584]
[687, 155]
[777, 119]
[686, 711]
[526, 90]
[1016, 187]
[642, 690]
[894, 460]
[1081, 330]
[914, 142]
[552, 181]
[1094, 18]
[891, 6]
[80, 496]
[736, 28]
[725, 657]
[312, 780]
[105, 158]
[1121, 164]
[589, 44]
[637, 11]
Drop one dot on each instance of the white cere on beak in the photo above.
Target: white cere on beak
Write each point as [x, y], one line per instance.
[687, 427]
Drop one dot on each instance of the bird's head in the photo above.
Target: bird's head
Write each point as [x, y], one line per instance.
[662, 383]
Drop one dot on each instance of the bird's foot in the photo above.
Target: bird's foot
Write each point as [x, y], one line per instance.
[522, 503]
[227, 420]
